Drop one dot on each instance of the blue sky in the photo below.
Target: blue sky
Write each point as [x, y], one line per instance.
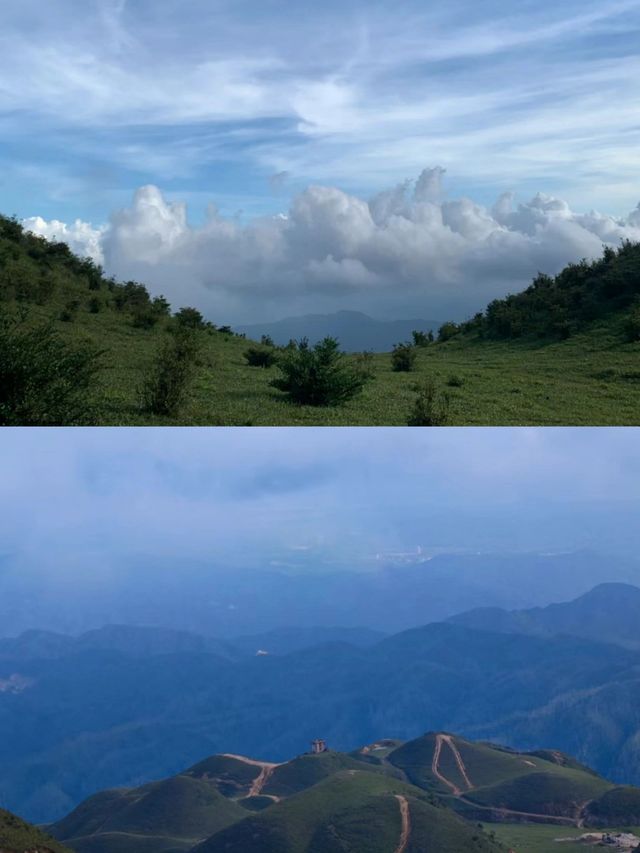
[80, 499]
[244, 105]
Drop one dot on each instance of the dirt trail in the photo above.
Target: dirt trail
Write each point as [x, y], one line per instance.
[405, 835]
[266, 769]
[440, 739]
[459, 761]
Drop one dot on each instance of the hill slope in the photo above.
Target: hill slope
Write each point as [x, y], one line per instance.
[428, 793]
[518, 689]
[488, 782]
[590, 378]
[18, 836]
[608, 613]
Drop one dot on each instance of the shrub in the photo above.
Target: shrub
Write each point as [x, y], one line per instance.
[448, 331]
[455, 381]
[260, 356]
[403, 357]
[68, 313]
[94, 305]
[190, 318]
[318, 375]
[364, 364]
[431, 406]
[144, 317]
[267, 341]
[167, 385]
[44, 380]
[421, 339]
[633, 324]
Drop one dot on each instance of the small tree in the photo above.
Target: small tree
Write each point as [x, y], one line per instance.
[267, 341]
[260, 356]
[403, 357]
[448, 331]
[167, 385]
[190, 318]
[45, 380]
[421, 339]
[431, 406]
[318, 375]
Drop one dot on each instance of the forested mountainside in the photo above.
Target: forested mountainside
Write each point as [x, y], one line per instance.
[107, 710]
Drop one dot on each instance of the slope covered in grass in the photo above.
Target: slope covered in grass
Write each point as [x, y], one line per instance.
[350, 811]
[493, 777]
[18, 836]
[591, 377]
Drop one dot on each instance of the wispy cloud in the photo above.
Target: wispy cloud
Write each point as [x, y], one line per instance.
[351, 93]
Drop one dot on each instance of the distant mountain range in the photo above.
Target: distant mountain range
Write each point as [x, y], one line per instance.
[609, 614]
[355, 331]
[223, 602]
[425, 794]
[128, 707]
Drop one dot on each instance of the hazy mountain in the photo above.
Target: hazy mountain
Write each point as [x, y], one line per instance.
[609, 613]
[209, 599]
[355, 331]
[428, 793]
[114, 719]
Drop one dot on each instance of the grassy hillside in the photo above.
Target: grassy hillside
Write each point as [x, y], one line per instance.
[174, 813]
[18, 836]
[491, 777]
[350, 811]
[591, 377]
[428, 793]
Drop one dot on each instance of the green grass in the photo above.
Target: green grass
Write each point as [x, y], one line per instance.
[350, 811]
[535, 838]
[592, 378]
[18, 836]
[501, 778]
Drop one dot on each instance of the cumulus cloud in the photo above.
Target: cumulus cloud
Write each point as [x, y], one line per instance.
[81, 237]
[408, 250]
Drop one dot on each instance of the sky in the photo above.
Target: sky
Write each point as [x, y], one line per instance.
[256, 159]
[73, 501]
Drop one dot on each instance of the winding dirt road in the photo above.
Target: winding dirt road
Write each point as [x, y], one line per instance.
[440, 740]
[266, 769]
[405, 834]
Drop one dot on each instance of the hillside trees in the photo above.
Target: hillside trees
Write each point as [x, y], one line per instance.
[44, 379]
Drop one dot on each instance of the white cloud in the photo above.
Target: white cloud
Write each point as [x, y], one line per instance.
[81, 237]
[409, 250]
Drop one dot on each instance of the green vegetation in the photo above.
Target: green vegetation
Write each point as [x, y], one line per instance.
[307, 770]
[558, 307]
[567, 353]
[318, 375]
[18, 836]
[431, 406]
[44, 381]
[403, 358]
[350, 811]
[532, 838]
[500, 778]
[618, 806]
[358, 802]
[168, 382]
